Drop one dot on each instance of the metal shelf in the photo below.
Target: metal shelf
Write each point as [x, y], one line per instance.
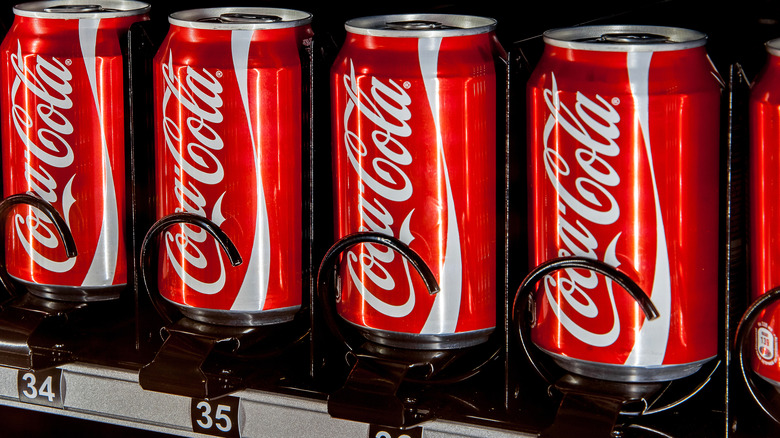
[114, 396]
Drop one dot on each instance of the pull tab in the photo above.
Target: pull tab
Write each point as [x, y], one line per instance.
[237, 17]
[417, 25]
[74, 9]
[628, 38]
[242, 18]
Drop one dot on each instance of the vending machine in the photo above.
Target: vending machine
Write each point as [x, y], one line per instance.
[429, 219]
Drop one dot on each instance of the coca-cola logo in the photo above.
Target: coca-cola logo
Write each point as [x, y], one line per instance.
[379, 165]
[584, 202]
[44, 136]
[194, 99]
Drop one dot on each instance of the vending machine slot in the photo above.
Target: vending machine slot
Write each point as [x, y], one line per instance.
[370, 393]
[37, 334]
[597, 407]
[206, 361]
[178, 367]
[34, 330]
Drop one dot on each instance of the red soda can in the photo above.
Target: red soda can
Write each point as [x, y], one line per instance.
[414, 144]
[623, 149]
[229, 124]
[63, 134]
[764, 229]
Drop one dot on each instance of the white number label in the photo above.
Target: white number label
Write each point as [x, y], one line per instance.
[375, 431]
[223, 422]
[41, 387]
[383, 434]
[205, 409]
[216, 417]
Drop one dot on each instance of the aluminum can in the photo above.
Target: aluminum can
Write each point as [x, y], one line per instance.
[228, 131]
[764, 240]
[623, 147]
[414, 144]
[63, 134]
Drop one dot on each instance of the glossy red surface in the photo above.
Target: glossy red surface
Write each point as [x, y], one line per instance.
[623, 167]
[414, 144]
[228, 122]
[63, 133]
[764, 229]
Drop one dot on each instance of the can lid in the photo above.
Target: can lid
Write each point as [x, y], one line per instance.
[420, 25]
[773, 47]
[75, 9]
[240, 18]
[625, 38]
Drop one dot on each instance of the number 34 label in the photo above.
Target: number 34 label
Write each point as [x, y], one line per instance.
[45, 387]
[218, 417]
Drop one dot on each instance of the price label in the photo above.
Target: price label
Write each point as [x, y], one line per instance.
[220, 417]
[375, 431]
[45, 387]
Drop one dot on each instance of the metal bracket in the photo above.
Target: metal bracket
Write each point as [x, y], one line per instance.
[590, 407]
[32, 331]
[370, 394]
[373, 392]
[204, 360]
[179, 367]
[36, 334]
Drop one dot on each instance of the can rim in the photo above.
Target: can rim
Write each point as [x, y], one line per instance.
[116, 8]
[664, 38]
[773, 47]
[455, 25]
[288, 18]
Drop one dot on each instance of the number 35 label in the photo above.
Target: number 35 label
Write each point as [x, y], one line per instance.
[218, 417]
[45, 387]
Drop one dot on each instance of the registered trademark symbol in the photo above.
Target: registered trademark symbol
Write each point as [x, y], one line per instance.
[219, 73]
[615, 101]
[407, 85]
[68, 62]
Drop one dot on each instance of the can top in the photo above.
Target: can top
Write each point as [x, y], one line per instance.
[773, 47]
[76, 9]
[240, 18]
[625, 38]
[420, 25]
